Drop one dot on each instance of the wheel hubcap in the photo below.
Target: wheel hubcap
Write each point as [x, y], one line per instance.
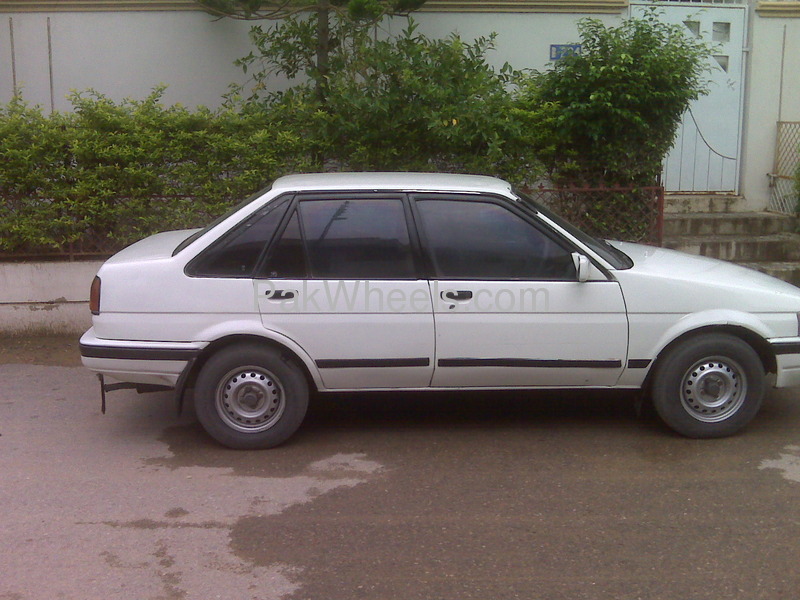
[250, 399]
[713, 389]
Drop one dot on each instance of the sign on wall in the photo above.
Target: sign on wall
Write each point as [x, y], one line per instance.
[559, 51]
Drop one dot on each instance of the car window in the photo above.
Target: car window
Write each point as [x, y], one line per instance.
[483, 240]
[198, 234]
[357, 239]
[614, 256]
[237, 252]
[287, 258]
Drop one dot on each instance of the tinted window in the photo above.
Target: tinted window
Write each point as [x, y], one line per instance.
[614, 256]
[218, 220]
[357, 239]
[236, 253]
[287, 258]
[481, 240]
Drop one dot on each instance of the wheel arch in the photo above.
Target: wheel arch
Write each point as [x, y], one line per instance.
[760, 345]
[249, 338]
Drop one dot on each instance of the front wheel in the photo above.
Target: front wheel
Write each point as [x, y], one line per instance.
[709, 386]
[250, 396]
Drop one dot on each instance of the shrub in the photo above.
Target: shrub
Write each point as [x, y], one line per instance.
[621, 100]
[409, 103]
[427, 104]
[111, 173]
[34, 172]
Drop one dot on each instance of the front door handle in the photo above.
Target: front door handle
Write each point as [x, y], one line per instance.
[457, 295]
[281, 295]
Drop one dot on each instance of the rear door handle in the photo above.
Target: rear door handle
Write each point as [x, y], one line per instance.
[281, 295]
[457, 295]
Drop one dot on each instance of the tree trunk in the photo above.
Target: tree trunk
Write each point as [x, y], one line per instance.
[323, 47]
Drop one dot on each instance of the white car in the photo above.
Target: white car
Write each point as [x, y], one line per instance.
[389, 281]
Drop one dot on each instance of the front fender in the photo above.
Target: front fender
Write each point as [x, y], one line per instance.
[651, 333]
[710, 318]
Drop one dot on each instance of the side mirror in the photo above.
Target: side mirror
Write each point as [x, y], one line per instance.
[582, 266]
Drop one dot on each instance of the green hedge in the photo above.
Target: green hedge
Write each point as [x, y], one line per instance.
[107, 174]
[110, 173]
[797, 185]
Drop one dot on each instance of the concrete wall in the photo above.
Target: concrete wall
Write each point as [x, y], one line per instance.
[523, 39]
[767, 100]
[126, 54]
[44, 298]
[122, 54]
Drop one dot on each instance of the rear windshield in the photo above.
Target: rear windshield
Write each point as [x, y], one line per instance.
[198, 234]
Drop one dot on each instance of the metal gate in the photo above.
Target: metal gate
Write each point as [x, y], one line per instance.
[707, 150]
[783, 194]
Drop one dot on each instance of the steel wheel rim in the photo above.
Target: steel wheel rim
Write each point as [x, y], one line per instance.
[713, 389]
[250, 399]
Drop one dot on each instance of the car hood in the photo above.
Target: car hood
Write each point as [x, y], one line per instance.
[160, 245]
[663, 279]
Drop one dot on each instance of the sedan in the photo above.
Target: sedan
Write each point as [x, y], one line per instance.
[402, 281]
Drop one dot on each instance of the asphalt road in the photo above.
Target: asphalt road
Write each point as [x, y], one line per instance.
[438, 497]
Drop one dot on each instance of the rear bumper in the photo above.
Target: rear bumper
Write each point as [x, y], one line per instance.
[787, 355]
[156, 363]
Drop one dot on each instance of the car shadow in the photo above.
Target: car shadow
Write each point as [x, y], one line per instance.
[468, 409]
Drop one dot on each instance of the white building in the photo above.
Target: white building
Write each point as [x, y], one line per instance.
[124, 48]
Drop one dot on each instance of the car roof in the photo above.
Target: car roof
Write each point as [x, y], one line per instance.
[392, 181]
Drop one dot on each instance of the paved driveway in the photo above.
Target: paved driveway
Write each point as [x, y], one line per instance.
[493, 496]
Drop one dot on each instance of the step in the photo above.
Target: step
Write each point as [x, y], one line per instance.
[778, 247]
[748, 223]
[787, 271]
[704, 203]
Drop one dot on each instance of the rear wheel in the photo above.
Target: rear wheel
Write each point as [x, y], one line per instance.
[709, 386]
[250, 396]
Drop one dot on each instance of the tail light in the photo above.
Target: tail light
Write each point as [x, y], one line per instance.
[94, 296]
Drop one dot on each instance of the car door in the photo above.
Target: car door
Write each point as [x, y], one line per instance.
[508, 308]
[342, 281]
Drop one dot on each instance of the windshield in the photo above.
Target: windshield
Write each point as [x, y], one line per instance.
[197, 234]
[614, 256]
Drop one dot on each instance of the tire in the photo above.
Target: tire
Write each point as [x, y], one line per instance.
[709, 386]
[249, 397]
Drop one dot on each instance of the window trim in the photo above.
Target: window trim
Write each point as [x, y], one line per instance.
[220, 219]
[190, 268]
[534, 208]
[266, 256]
[423, 265]
[502, 202]
[414, 245]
